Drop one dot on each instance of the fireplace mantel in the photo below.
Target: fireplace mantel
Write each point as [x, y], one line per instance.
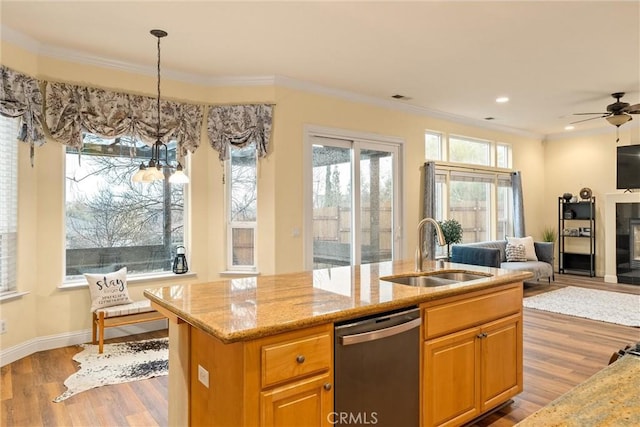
[611, 199]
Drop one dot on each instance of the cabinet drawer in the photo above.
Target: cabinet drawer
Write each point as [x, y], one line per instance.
[464, 313]
[295, 358]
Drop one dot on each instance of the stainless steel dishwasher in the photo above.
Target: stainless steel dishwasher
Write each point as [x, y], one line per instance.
[377, 366]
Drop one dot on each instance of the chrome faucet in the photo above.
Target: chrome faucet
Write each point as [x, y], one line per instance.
[441, 240]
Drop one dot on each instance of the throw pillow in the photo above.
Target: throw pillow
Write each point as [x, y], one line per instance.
[528, 246]
[108, 289]
[516, 253]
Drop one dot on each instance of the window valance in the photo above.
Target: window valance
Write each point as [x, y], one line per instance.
[64, 111]
[71, 109]
[238, 126]
[21, 97]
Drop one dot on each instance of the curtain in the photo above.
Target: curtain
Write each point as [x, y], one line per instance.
[21, 97]
[239, 126]
[72, 110]
[429, 207]
[518, 205]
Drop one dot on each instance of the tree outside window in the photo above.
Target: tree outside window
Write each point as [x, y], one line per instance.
[112, 222]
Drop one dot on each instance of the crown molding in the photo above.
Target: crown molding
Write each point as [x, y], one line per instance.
[69, 55]
[610, 129]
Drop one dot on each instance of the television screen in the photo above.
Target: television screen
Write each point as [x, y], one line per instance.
[628, 171]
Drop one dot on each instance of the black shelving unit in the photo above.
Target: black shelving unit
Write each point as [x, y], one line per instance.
[577, 225]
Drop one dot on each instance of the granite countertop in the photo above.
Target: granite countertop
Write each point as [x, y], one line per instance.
[248, 308]
[611, 397]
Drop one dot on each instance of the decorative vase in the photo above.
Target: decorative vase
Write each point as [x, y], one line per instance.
[567, 197]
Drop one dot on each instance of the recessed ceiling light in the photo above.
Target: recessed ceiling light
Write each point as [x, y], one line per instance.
[502, 99]
[570, 127]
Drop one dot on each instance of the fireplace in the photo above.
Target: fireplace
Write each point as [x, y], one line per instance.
[628, 243]
[634, 243]
[620, 209]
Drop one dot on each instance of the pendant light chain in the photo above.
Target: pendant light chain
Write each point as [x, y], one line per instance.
[158, 100]
[155, 170]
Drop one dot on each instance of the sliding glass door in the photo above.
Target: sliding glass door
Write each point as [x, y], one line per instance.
[354, 201]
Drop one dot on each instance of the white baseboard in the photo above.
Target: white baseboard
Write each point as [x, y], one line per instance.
[611, 278]
[49, 342]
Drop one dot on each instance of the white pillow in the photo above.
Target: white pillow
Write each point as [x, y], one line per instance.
[529, 249]
[108, 289]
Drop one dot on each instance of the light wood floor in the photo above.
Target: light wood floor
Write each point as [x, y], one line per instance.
[559, 353]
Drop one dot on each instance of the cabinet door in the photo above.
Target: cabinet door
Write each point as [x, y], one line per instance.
[304, 403]
[501, 361]
[451, 388]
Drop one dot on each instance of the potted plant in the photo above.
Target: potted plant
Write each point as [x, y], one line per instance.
[452, 231]
[549, 234]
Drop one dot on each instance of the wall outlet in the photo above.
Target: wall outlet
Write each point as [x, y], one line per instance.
[3, 326]
[203, 376]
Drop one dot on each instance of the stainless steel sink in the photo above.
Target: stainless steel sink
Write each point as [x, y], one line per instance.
[435, 278]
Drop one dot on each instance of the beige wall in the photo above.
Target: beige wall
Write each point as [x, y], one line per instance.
[575, 162]
[49, 311]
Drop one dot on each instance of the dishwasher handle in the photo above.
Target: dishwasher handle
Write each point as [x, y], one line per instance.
[380, 333]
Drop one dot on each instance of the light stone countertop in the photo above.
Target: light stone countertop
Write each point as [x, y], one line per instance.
[248, 308]
[609, 398]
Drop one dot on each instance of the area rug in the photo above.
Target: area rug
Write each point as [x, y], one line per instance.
[606, 306]
[118, 363]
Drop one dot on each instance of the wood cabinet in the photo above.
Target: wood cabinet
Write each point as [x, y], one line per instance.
[472, 354]
[280, 380]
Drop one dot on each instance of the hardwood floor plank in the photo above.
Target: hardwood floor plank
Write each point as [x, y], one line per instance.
[6, 389]
[560, 352]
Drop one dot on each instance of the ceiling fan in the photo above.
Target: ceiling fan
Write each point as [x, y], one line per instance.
[617, 113]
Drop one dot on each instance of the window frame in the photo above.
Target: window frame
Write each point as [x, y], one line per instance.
[74, 280]
[498, 175]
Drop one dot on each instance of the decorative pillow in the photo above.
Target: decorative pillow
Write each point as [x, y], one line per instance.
[108, 289]
[528, 246]
[516, 253]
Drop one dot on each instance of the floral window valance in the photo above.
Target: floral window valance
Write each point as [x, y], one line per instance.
[21, 97]
[71, 109]
[239, 126]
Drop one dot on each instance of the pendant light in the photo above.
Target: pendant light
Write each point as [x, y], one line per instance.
[154, 170]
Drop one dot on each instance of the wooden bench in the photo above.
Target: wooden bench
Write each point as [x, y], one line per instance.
[120, 315]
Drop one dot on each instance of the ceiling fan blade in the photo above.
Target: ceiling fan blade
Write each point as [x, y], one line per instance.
[587, 114]
[591, 118]
[632, 109]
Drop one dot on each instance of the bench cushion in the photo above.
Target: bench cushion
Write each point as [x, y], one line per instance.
[125, 309]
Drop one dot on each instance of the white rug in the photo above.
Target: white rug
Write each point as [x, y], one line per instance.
[611, 307]
[118, 363]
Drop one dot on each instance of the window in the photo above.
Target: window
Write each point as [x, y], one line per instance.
[433, 145]
[242, 202]
[112, 222]
[8, 203]
[470, 151]
[478, 196]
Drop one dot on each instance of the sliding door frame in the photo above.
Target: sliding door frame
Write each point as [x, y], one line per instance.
[365, 141]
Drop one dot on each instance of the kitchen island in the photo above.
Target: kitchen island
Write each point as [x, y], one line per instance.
[259, 351]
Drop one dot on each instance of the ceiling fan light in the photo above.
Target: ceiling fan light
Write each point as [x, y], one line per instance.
[619, 119]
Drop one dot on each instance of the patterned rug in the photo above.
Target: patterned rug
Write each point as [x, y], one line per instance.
[606, 306]
[118, 363]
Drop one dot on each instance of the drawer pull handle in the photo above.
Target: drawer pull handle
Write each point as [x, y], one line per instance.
[482, 335]
[300, 358]
[327, 386]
